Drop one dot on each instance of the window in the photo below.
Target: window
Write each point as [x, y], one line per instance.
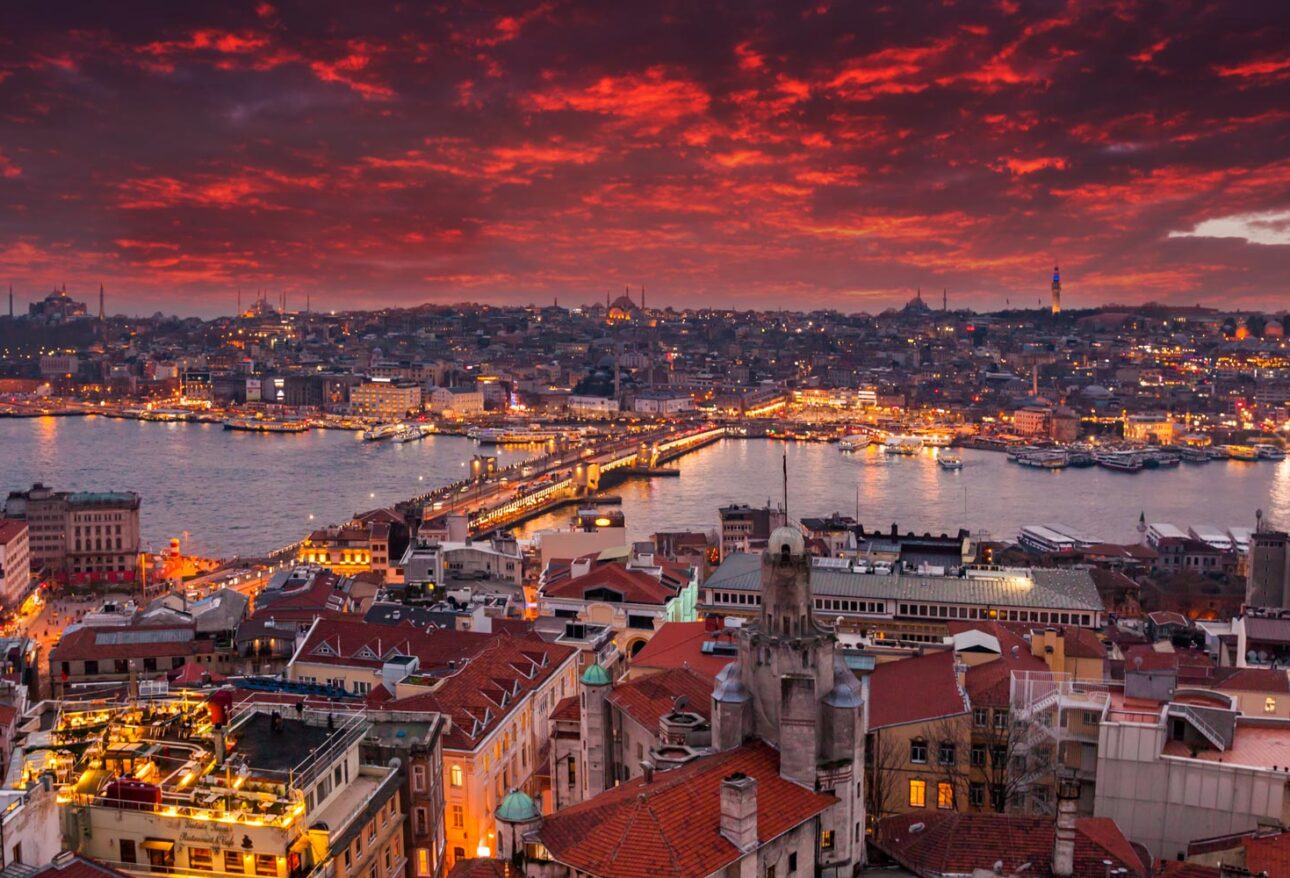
[455, 775]
[977, 755]
[423, 861]
[792, 863]
[998, 755]
[1092, 717]
[233, 861]
[127, 851]
[458, 817]
[150, 663]
[979, 717]
[770, 872]
[91, 667]
[1001, 719]
[826, 839]
[458, 853]
[266, 865]
[976, 794]
[946, 753]
[200, 858]
[419, 821]
[918, 751]
[917, 793]
[1270, 706]
[944, 795]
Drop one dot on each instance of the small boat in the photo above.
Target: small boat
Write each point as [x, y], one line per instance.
[263, 425]
[1162, 458]
[950, 461]
[381, 432]
[1217, 452]
[1270, 452]
[410, 433]
[902, 445]
[1120, 461]
[854, 443]
[1048, 459]
[1080, 459]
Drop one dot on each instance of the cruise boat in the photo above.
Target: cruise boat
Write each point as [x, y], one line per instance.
[1270, 452]
[1242, 452]
[511, 436]
[854, 443]
[1156, 458]
[382, 432]
[1047, 459]
[261, 425]
[950, 461]
[902, 445]
[1120, 461]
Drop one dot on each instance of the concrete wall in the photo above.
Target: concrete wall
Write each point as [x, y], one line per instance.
[1164, 802]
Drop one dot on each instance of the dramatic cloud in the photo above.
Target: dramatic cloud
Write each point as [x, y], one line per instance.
[831, 155]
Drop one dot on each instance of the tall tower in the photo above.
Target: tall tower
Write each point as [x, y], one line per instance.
[101, 313]
[791, 687]
[1057, 291]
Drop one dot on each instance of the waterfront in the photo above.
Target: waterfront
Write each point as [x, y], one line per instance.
[244, 493]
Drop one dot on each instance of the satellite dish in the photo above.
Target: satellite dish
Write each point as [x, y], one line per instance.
[680, 702]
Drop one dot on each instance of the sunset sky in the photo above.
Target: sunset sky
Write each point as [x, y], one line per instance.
[750, 154]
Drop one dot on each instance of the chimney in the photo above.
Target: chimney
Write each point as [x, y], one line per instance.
[739, 810]
[647, 775]
[1064, 837]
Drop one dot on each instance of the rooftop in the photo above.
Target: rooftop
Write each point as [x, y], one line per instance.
[265, 748]
[932, 676]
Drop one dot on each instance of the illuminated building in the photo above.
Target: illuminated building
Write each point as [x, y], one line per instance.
[385, 400]
[347, 550]
[1156, 428]
[1057, 291]
[497, 690]
[745, 529]
[80, 537]
[456, 401]
[57, 307]
[168, 786]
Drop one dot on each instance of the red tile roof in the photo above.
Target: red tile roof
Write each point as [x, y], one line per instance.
[1269, 854]
[77, 867]
[635, 586]
[477, 868]
[680, 645]
[647, 699]
[670, 827]
[351, 642]
[1168, 617]
[1255, 680]
[96, 643]
[950, 842]
[913, 690]
[568, 710]
[990, 684]
[494, 680]
[1179, 869]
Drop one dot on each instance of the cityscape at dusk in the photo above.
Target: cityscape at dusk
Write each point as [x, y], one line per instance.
[567, 440]
[728, 155]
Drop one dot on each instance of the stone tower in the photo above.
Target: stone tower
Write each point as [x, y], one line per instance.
[594, 770]
[790, 686]
[1057, 291]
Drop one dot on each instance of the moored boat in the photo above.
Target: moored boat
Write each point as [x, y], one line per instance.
[1120, 461]
[854, 443]
[381, 432]
[1242, 452]
[1270, 452]
[902, 445]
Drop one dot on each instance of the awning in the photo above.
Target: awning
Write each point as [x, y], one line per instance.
[158, 844]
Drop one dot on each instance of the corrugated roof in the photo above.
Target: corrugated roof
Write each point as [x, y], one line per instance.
[1038, 588]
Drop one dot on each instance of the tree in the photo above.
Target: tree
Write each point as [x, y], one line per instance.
[949, 743]
[1014, 766]
[883, 761]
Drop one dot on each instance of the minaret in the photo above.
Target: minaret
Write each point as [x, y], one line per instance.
[101, 314]
[10, 301]
[945, 299]
[1057, 291]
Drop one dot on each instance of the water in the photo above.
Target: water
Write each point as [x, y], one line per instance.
[245, 493]
[228, 492]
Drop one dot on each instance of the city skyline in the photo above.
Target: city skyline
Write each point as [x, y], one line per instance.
[721, 157]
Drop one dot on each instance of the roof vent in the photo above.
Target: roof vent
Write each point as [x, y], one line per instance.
[915, 828]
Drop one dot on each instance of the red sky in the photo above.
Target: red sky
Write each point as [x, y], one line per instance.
[757, 154]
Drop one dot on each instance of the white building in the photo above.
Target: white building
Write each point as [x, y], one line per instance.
[455, 400]
[662, 403]
[593, 406]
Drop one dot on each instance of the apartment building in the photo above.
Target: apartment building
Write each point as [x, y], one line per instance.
[15, 562]
[82, 538]
[385, 400]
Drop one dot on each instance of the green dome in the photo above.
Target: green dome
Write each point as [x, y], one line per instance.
[517, 807]
[595, 675]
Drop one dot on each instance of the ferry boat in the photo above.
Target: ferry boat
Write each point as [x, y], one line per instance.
[382, 432]
[1217, 452]
[902, 445]
[1080, 459]
[854, 443]
[1242, 452]
[1190, 454]
[410, 433]
[1050, 459]
[510, 436]
[1120, 461]
[1015, 451]
[260, 425]
[1156, 458]
[950, 461]
[1270, 452]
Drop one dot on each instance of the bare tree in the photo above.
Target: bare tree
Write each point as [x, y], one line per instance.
[883, 761]
[1014, 766]
[949, 741]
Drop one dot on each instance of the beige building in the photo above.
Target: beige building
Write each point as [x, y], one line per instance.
[385, 400]
[1155, 428]
[15, 562]
[88, 537]
[455, 401]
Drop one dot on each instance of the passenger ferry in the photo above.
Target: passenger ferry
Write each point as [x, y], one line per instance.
[1242, 452]
[950, 461]
[1120, 461]
[410, 433]
[902, 445]
[382, 432]
[510, 436]
[855, 443]
[1049, 459]
[1270, 452]
[263, 425]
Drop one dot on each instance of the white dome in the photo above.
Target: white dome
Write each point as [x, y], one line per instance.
[789, 537]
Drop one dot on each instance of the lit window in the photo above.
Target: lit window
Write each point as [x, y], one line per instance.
[423, 861]
[200, 858]
[944, 795]
[917, 793]
[1270, 705]
[826, 840]
[456, 775]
